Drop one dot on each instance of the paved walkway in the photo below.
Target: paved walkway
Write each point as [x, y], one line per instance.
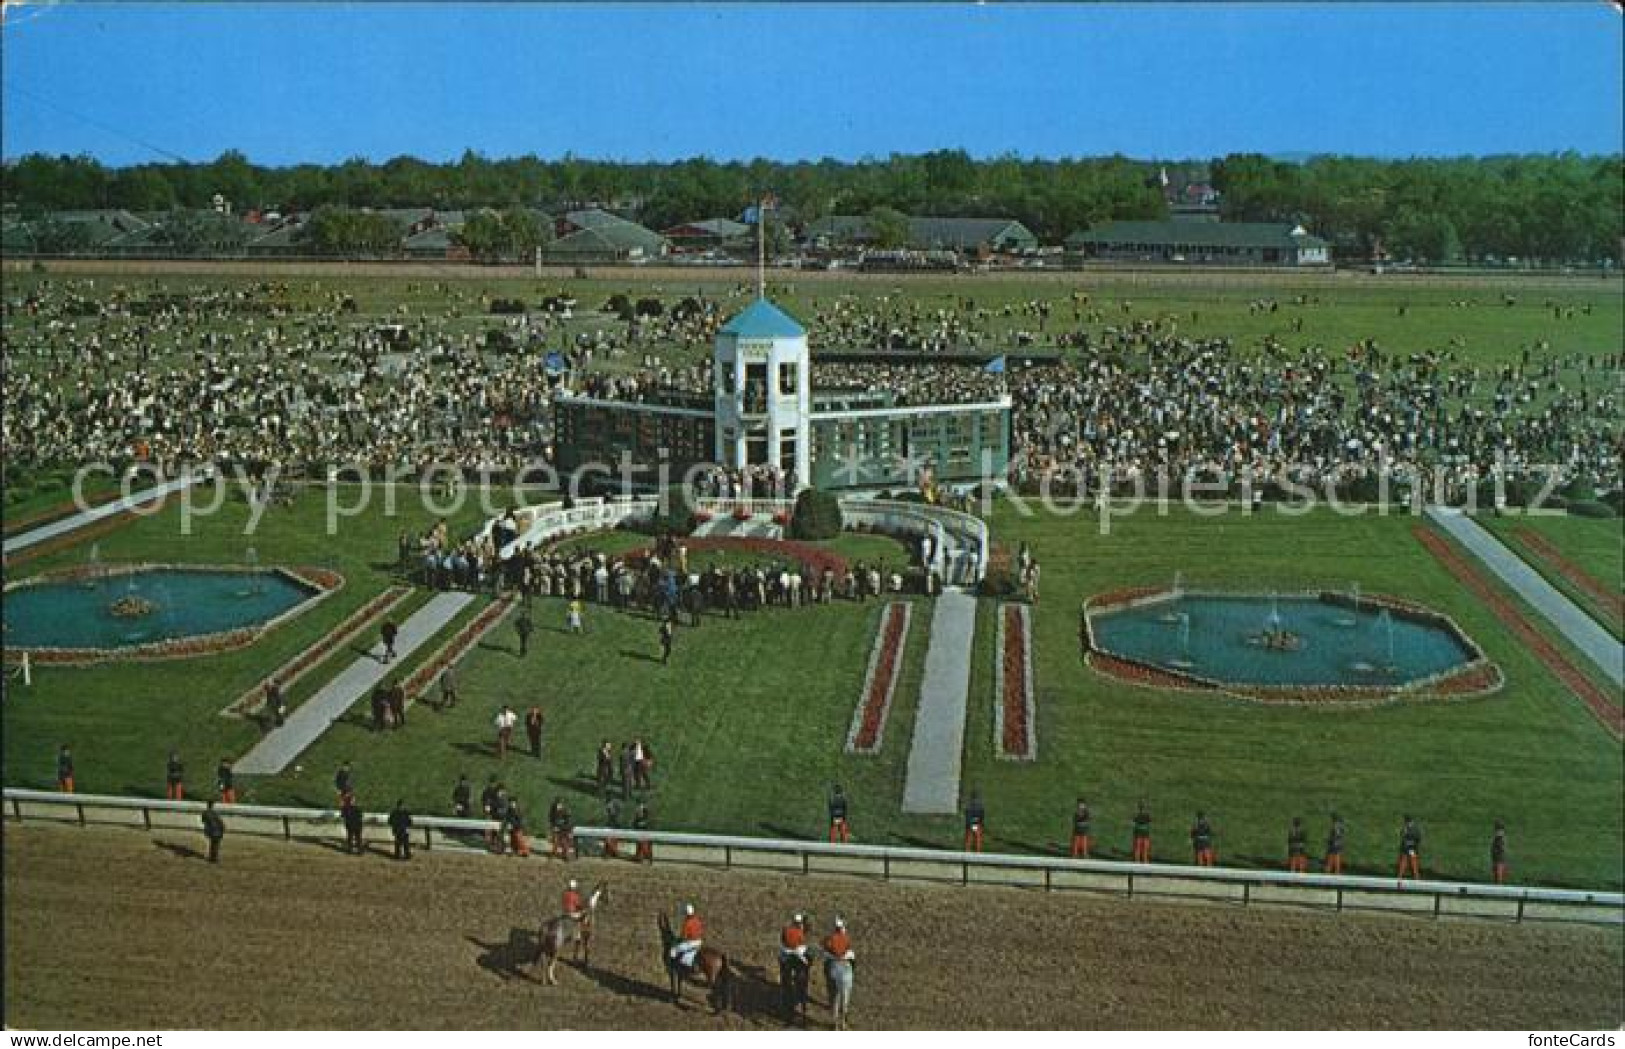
[79, 520]
[306, 724]
[1583, 632]
[934, 757]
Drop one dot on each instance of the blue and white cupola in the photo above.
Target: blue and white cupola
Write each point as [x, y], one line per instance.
[764, 392]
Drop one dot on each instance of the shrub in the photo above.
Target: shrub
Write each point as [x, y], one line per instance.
[1590, 508]
[817, 516]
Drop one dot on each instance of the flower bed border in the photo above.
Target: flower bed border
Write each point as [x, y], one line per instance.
[457, 646]
[314, 580]
[1001, 701]
[1609, 603]
[1595, 699]
[1477, 677]
[867, 713]
[295, 669]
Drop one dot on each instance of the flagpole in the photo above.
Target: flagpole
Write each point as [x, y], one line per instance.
[761, 248]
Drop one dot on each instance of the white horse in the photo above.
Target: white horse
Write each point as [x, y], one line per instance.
[565, 930]
[838, 978]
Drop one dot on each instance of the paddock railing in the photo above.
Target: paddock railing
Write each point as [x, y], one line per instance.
[1047, 873]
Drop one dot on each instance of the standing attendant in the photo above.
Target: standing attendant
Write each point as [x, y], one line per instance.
[517, 840]
[400, 827]
[525, 626]
[379, 702]
[225, 782]
[64, 769]
[1498, 852]
[390, 632]
[175, 778]
[488, 805]
[1142, 834]
[612, 821]
[448, 689]
[275, 705]
[1081, 823]
[214, 829]
[344, 783]
[461, 796]
[1335, 839]
[1410, 849]
[573, 618]
[838, 829]
[533, 730]
[1202, 840]
[975, 820]
[641, 821]
[629, 773]
[354, 820]
[563, 828]
[1297, 847]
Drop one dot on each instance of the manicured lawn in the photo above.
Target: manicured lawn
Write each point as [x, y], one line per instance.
[121, 719]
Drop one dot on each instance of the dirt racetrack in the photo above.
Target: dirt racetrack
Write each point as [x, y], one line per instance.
[110, 928]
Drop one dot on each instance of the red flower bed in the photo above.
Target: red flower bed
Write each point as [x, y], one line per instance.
[1139, 674]
[741, 514]
[1470, 681]
[781, 519]
[1016, 690]
[318, 577]
[453, 650]
[869, 729]
[1599, 702]
[1608, 602]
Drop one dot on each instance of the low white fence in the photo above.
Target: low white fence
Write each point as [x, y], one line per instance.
[1339, 892]
[551, 521]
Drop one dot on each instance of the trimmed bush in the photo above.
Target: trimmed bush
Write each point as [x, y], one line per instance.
[1590, 508]
[817, 516]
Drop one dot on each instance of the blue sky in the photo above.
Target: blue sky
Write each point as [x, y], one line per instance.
[322, 82]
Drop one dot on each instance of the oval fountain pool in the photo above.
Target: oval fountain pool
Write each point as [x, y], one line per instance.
[1263, 643]
[147, 606]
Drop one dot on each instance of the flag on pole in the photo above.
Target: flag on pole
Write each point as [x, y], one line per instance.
[995, 366]
[555, 363]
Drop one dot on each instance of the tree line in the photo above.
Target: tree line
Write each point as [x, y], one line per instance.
[1562, 207]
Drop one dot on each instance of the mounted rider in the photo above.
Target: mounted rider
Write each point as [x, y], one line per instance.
[838, 945]
[574, 904]
[690, 938]
[793, 940]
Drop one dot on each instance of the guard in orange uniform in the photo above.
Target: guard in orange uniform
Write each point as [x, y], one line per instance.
[1498, 852]
[1297, 847]
[175, 778]
[64, 770]
[1410, 849]
[1081, 822]
[1202, 840]
[838, 831]
[975, 820]
[1142, 834]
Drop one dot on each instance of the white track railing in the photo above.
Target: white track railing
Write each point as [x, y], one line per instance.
[886, 862]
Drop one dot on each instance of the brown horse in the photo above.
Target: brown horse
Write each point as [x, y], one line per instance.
[563, 931]
[709, 964]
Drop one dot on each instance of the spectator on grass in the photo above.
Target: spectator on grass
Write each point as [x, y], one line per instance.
[1202, 840]
[1498, 853]
[448, 688]
[390, 632]
[641, 820]
[344, 782]
[397, 704]
[533, 730]
[275, 705]
[525, 626]
[668, 633]
[839, 830]
[506, 719]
